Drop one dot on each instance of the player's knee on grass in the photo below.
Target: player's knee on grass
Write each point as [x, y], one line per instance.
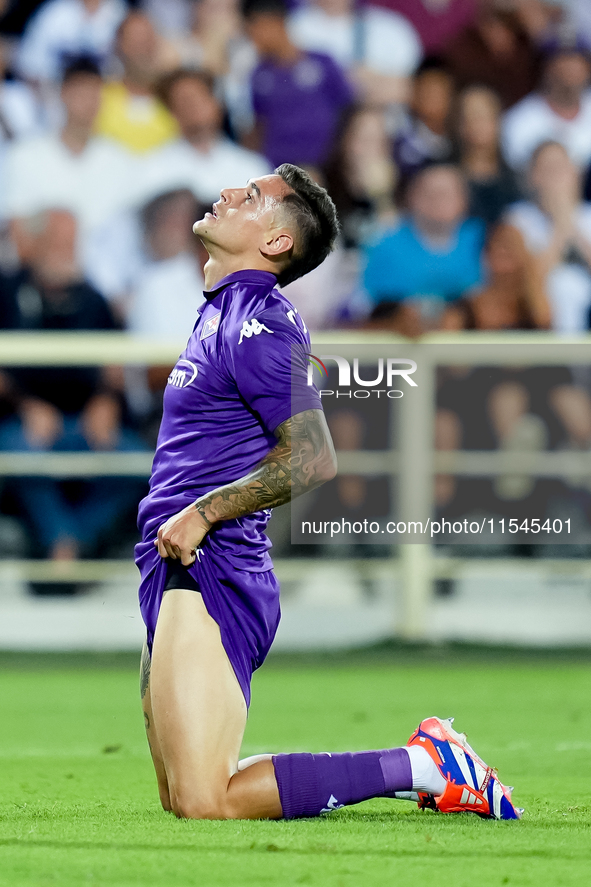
[213, 802]
[187, 804]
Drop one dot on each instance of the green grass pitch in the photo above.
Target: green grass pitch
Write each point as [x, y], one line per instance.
[78, 802]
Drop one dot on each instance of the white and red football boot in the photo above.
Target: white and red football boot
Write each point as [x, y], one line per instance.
[472, 786]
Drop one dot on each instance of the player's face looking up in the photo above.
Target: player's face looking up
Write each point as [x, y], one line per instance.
[248, 227]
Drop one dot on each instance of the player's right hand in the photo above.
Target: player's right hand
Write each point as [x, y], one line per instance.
[181, 535]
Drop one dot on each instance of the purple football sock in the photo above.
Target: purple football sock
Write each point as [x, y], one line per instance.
[313, 784]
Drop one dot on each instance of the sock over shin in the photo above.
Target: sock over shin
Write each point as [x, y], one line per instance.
[313, 784]
[425, 775]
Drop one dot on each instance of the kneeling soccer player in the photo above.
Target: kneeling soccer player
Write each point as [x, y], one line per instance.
[242, 432]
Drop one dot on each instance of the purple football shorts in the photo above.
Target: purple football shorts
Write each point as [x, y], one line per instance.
[244, 603]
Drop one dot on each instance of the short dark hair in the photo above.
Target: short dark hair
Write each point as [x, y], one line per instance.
[167, 83]
[83, 66]
[315, 218]
[556, 49]
[250, 8]
[436, 166]
[432, 63]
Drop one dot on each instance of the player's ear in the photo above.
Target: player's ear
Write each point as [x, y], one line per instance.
[277, 242]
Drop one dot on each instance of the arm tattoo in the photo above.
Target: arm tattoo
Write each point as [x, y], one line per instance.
[201, 509]
[145, 665]
[303, 459]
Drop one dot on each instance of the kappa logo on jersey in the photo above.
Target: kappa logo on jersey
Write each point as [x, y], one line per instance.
[333, 804]
[183, 374]
[210, 326]
[252, 328]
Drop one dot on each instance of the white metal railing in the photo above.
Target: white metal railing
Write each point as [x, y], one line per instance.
[463, 463]
[413, 563]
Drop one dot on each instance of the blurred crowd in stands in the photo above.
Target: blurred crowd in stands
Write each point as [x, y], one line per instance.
[453, 135]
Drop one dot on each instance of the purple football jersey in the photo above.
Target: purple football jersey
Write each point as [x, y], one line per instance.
[235, 382]
[230, 389]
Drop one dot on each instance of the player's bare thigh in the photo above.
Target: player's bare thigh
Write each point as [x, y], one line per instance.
[198, 707]
[153, 742]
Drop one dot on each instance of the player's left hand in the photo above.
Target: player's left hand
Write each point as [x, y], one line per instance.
[181, 535]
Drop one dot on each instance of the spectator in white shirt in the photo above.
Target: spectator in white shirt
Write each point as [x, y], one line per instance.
[165, 291]
[62, 30]
[380, 48]
[89, 176]
[20, 116]
[556, 226]
[169, 287]
[20, 113]
[204, 160]
[560, 111]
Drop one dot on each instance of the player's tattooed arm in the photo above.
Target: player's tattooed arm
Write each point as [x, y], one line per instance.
[303, 458]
